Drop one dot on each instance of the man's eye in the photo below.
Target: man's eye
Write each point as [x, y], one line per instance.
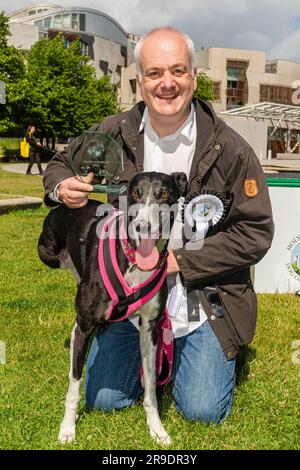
[155, 74]
[179, 72]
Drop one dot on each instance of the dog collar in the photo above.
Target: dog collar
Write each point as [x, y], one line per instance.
[130, 253]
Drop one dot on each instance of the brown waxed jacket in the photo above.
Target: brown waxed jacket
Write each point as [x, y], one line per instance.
[223, 162]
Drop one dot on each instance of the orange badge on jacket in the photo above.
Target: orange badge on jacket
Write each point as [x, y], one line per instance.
[250, 187]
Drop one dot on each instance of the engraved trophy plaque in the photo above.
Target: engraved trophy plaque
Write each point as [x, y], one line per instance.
[99, 153]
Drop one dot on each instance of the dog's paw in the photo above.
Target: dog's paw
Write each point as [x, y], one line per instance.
[66, 434]
[161, 437]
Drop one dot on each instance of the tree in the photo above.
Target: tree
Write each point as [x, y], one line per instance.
[63, 96]
[12, 69]
[204, 89]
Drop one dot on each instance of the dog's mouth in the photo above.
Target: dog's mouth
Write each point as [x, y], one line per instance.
[147, 255]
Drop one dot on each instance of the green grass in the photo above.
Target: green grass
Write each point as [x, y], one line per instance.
[10, 147]
[36, 318]
[14, 183]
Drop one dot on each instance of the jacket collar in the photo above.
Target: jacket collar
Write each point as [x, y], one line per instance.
[209, 126]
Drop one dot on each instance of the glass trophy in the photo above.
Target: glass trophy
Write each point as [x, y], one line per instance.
[99, 153]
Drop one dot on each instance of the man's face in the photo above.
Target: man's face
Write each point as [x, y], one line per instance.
[167, 84]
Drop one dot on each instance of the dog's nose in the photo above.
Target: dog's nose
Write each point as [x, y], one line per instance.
[143, 226]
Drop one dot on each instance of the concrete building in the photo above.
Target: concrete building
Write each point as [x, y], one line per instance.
[102, 38]
[241, 78]
[244, 78]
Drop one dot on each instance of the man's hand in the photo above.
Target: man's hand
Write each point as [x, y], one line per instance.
[172, 263]
[74, 191]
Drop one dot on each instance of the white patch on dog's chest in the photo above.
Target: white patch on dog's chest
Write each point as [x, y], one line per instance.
[136, 277]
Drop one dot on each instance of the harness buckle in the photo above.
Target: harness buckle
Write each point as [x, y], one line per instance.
[133, 267]
[162, 259]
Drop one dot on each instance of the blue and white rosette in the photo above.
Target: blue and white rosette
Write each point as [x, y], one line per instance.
[201, 212]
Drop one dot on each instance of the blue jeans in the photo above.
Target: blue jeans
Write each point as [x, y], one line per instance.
[203, 380]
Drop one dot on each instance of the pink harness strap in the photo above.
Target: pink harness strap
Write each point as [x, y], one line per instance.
[164, 358]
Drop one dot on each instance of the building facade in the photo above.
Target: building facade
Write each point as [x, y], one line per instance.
[102, 38]
[239, 77]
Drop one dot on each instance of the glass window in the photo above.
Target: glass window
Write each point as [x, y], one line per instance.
[237, 83]
[276, 94]
[84, 48]
[66, 22]
[103, 66]
[57, 21]
[216, 91]
[31, 12]
[133, 86]
[75, 21]
[47, 22]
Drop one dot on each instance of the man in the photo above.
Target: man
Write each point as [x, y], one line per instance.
[170, 131]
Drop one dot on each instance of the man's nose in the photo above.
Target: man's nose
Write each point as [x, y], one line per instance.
[167, 80]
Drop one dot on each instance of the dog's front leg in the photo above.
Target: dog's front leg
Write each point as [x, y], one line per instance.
[148, 352]
[78, 348]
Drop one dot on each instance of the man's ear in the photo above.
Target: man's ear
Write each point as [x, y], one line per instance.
[181, 182]
[195, 78]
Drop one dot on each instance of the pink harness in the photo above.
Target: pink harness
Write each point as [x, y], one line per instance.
[126, 299]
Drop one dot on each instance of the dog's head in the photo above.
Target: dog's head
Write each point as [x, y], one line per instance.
[152, 208]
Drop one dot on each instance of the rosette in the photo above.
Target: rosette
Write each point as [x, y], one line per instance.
[202, 211]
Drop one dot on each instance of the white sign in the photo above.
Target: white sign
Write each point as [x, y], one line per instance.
[279, 270]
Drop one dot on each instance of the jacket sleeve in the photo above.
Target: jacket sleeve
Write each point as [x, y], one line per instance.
[246, 234]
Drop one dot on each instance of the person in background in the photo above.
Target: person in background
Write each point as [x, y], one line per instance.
[34, 155]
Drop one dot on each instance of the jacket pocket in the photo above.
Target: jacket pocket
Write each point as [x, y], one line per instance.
[240, 303]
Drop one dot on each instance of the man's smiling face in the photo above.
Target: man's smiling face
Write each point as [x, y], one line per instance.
[167, 83]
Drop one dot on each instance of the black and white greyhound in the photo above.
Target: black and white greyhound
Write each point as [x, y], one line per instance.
[70, 238]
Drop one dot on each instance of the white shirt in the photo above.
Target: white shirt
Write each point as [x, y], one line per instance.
[167, 155]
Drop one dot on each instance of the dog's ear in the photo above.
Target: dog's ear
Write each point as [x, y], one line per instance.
[181, 182]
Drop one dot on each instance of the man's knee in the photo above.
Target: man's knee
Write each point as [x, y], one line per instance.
[208, 412]
[107, 400]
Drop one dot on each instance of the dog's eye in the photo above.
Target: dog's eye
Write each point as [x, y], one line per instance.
[165, 194]
[135, 193]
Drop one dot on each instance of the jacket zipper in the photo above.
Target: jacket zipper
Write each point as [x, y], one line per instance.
[202, 155]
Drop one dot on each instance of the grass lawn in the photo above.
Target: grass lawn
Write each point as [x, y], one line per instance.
[10, 147]
[36, 318]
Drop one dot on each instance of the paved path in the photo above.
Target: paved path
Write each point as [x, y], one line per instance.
[16, 201]
[22, 168]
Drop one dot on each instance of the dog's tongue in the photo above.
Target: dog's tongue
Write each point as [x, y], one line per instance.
[147, 255]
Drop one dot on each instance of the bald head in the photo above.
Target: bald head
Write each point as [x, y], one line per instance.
[161, 37]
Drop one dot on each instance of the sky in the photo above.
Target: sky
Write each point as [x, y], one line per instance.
[269, 25]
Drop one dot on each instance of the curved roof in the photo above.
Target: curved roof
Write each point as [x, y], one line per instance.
[97, 23]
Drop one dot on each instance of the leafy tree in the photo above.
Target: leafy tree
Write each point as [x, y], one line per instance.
[4, 30]
[204, 89]
[12, 69]
[63, 96]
